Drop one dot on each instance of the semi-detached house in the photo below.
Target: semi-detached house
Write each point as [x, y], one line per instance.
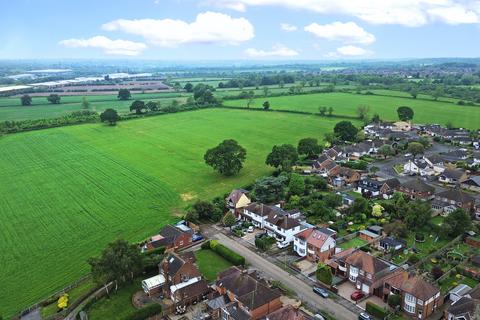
[316, 245]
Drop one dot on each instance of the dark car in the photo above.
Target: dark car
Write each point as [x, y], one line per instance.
[197, 237]
[261, 235]
[364, 316]
[357, 295]
[320, 291]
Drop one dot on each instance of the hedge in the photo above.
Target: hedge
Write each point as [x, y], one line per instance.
[324, 274]
[159, 250]
[146, 312]
[376, 310]
[224, 252]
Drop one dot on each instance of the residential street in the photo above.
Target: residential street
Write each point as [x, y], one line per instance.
[303, 290]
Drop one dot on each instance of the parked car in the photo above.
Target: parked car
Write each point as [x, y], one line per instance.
[282, 244]
[357, 295]
[261, 235]
[319, 317]
[364, 316]
[320, 291]
[197, 237]
[250, 229]
[407, 155]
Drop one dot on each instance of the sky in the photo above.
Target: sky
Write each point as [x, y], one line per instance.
[175, 30]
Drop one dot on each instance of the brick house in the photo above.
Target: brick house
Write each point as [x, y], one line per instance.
[171, 238]
[249, 295]
[316, 245]
[236, 200]
[417, 189]
[288, 312]
[419, 299]
[177, 269]
[457, 198]
[370, 188]
[344, 176]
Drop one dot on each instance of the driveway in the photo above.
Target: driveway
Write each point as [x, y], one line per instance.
[302, 289]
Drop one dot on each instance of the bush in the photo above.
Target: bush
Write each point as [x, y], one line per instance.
[394, 300]
[324, 274]
[146, 312]
[226, 253]
[159, 250]
[264, 243]
[376, 310]
[206, 245]
[413, 259]
[437, 272]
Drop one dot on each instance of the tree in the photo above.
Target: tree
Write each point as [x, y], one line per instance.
[437, 272]
[330, 111]
[202, 94]
[362, 112]
[177, 86]
[386, 151]
[188, 87]
[192, 215]
[227, 158]
[330, 137]
[138, 106]
[321, 210]
[418, 214]
[456, 223]
[26, 100]
[414, 93]
[333, 200]
[394, 300]
[322, 111]
[85, 103]
[377, 210]
[266, 91]
[415, 148]
[397, 229]
[250, 98]
[118, 262]
[229, 220]
[54, 98]
[283, 156]
[424, 142]
[124, 94]
[376, 118]
[266, 105]
[296, 185]
[205, 210]
[360, 136]
[437, 93]
[309, 147]
[270, 189]
[110, 115]
[345, 130]
[405, 113]
[324, 274]
[152, 105]
[374, 169]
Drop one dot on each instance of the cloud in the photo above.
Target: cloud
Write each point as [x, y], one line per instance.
[348, 32]
[208, 27]
[277, 51]
[349, 51]
[109, 46]
[412, 13]
[288, 27]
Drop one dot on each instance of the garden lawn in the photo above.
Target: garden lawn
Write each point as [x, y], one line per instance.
[67, 192]
[210, 263]
[118, 306]
[426, 111]
[353, 243]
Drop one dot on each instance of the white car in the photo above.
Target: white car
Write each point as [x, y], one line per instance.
[282, 244]
[250, 229]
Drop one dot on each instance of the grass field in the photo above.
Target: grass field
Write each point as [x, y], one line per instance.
[67, 192]
[210, 263]
[11, 109]
[346, 104]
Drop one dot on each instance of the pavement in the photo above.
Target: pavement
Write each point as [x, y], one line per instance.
[303, 290]
[33, 315]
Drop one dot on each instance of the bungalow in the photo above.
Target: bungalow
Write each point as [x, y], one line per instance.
[473, 183]
[358, 150]
[344, 176]
[418, 166]
[457, 198]
[436, 162]
[391, 244]
[237, 199]
[250, 297]
[419, 299]
[462, 140]
[333, 152]
[455, 155]
[417, 189]
[453, 176]
[315, 244]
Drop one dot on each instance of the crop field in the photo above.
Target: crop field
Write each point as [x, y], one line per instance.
[11, 109]
[346, 104]
[67, 192]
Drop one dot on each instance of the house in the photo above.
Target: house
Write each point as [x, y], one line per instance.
[462, 141]
[237, 199]
[354, 152]
[453, 176]
[280, 224]
[177, 269]
[333, 153]
[436, 162]
[347, 199]
[419, 299]
[391, 244]
[442, 207]
[344, 176]
[288, 312]
[315, 244]
[473, 183]
[363, 270]
[248, 294]
[464, 309]
[457, 198]
[418, 166]
[370, 188]
[189, 292]
[455, 155]
[171, 237]
[401, 126]
[417, 189]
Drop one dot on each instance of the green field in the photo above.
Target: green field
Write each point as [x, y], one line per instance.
[11, 109]
[346, 104]
[67, 192]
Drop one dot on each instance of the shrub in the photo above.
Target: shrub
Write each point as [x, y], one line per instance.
[376, 310]
[324, 274]
[206, 245]
[413, 259]
[226, 253]
[394, 300]
[146, 312]
[159, 250]
[264, 243]
[437, 272]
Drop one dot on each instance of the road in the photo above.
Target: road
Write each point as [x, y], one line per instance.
[303, 291]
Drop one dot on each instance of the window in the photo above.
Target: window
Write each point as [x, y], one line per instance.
[410, 299]
[387, 286]
[409, 308]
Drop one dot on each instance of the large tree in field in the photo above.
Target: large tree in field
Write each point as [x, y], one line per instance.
[456, 223]
[227, 158]
[345, 130]
[110, 116]
[152, 105]
[415, 148]
[405, 113]
[138, 106]
[54, 98]
[309, 147]
[26, 100]
[124, 94]
[363, 111]
[283, 156]
[188, 87]
[119, 262]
